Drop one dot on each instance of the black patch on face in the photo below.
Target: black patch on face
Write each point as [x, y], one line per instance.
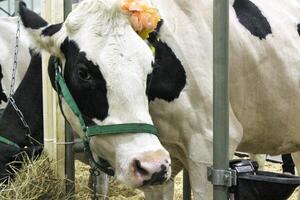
[168, 77]
[31, 19]
[251, 17]
[85, 82]
[51, 30]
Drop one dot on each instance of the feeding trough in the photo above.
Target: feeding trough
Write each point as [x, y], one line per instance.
[261, 185]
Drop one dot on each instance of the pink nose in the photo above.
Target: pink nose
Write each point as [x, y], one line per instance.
[152, 168]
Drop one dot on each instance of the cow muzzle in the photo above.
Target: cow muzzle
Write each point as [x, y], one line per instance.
[151, 168]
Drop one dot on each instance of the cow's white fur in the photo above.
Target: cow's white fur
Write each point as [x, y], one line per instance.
[264, 86]
[104, 33]
[8, 27]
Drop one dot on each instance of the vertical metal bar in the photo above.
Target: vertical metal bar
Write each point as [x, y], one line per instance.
[17, 7]
[32, 6]
[67, 7]
[186, 186]
[220, 92]
[8, 7]
[70, 162]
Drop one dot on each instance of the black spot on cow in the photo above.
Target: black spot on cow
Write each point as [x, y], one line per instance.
[85, 82]
[30, 19]
[29, 92]
[168, 77]
[52, 29]
[298, 29]
[3, 96]
[251, 17]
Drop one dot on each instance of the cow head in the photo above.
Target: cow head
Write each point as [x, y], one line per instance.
[105, 65]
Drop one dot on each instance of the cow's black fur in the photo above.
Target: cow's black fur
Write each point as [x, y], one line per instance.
[52, 29]
[168, 77]
[251, 17]
[28, 97]
[3, 96]
[85, 82]
[298, 29]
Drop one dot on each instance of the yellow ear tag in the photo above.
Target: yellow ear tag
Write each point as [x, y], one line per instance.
[145, 34]
[152, 49]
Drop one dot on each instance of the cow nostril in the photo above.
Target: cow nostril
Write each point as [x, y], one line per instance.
[139, 168]
[157, 177]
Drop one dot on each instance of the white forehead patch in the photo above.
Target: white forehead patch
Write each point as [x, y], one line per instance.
[98, 15]
[103, 32]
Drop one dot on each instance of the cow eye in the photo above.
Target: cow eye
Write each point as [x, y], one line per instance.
[84, 74]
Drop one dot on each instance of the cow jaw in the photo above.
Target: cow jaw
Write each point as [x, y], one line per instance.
[138, 159]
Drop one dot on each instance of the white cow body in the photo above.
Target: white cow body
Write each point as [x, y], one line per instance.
[8, 27]
[264, 86]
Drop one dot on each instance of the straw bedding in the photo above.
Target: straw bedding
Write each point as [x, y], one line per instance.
[35, 181]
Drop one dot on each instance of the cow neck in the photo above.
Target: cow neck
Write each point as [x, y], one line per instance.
[28, 93]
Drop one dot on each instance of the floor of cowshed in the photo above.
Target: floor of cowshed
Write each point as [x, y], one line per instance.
[120, 192]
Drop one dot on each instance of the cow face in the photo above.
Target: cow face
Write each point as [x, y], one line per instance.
[105, 65]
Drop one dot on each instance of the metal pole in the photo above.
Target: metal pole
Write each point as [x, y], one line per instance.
[17, 7]
[9, 7]
[70, 161]
[32, 7]
[69, 153]
[67, 7]
[186, 186]
[220, 93]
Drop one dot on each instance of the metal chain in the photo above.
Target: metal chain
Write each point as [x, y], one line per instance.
[15, 63]
[95, 172]
[12, 88]
[21, 117]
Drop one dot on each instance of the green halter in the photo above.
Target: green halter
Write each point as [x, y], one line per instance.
[8, 142]
[96, 130]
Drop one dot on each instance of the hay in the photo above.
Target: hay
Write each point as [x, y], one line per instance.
[117, 191]
[34, 181]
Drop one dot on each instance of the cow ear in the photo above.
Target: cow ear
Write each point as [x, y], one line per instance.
[43, 36]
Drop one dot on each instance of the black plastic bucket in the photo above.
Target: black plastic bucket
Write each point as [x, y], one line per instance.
[262, 185]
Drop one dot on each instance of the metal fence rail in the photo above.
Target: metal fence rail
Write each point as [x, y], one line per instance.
[220, 96]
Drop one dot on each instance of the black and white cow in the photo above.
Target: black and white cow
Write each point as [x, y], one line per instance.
[29, 93]
[28, 98]
[106, 65]
[264, 84]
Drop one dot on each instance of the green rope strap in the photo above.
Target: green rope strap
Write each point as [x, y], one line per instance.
[121, 128]
[96, 130]
[63, 90]
[8, 142]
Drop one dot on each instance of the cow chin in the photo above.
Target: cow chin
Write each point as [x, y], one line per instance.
[139, 160]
